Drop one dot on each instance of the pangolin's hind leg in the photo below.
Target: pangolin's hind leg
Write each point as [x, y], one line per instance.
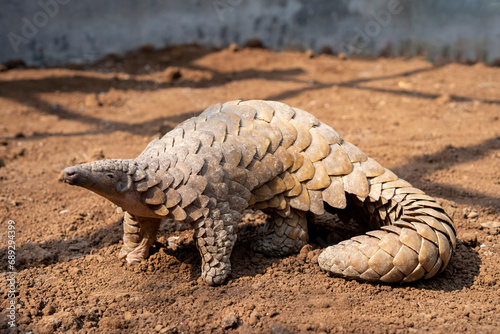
[215, 239]
[282, 235]
[139, 234]
[416, 242]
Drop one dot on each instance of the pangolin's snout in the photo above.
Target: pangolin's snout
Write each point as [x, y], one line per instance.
[71, 175]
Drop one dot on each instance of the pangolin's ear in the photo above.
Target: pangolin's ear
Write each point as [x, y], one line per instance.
[122, 186]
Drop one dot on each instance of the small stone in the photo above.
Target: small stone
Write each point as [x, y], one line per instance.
[173, 73]
[173, 241]
[91, 101]
[230, 321]
[325, 303]
[493, 227]
[309, 54]
[250, 307]
[443, 99]
[233, 47]
[254, 318]
[404, 84]
[49, 310]
[491, 224]
[472, 214]
[122, 76]
[257, 285]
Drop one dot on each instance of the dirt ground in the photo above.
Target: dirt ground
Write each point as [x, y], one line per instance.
[436, 126]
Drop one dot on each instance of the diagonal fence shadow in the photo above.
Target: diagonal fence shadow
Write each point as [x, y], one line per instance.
[445, 159]
[26, 91]
[355, 84]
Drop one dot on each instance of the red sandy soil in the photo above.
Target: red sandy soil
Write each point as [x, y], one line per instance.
[435, 126]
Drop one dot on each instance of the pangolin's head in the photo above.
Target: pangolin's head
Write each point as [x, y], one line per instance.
[112, 179]
[104, 177]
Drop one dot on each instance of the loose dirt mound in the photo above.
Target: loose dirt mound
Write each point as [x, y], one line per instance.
[437, 127]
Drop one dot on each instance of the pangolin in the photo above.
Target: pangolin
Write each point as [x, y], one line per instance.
[267, 155]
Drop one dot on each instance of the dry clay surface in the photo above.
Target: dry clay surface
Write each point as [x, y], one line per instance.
[437, 127]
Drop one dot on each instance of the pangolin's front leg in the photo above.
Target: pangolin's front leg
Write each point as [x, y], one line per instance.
[416, 242]
[282, 235]
[139, 234]
[215, 239]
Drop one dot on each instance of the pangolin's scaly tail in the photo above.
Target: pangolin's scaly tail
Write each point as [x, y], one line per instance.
[417, 241]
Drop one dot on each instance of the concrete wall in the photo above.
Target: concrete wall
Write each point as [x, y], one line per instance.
[52, 32]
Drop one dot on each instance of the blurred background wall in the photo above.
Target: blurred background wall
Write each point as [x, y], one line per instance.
[55, 32]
